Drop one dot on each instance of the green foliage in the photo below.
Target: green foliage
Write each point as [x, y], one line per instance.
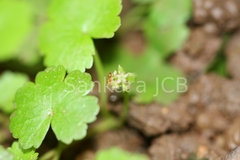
[53, 99]
[28, 52]
[21, 154]
[15, 24]
[219, 64]
[16, 152]
[5, 154]
[115, 153]
[165, 26]
[61, 101]
[39, 7]
[9, 83]
[152, 73]
[66, 39]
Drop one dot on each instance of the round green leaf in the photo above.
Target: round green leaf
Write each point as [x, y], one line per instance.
[55, 100]
[64, 45]
[67, 38]
[166, 39]
[170, 12]
[96, 18]
[15, 24]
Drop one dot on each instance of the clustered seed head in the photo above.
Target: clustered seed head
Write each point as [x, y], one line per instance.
[119, 80]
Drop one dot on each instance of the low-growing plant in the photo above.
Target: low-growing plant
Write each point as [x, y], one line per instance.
[59, 98]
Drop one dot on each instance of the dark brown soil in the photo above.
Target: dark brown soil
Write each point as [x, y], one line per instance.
[205, 118]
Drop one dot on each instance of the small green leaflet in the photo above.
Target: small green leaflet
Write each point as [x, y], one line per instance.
[15, 24]
[9, 83]
[66, 39]
[17, 153]
[21, 154]
[57, 100]
[116, 153]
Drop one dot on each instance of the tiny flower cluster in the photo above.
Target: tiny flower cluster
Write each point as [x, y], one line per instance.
[121, 80]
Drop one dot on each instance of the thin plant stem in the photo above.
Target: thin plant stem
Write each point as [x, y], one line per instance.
[105, 124]
[48, 155]
[60, 148]
[125, 107]
[55, 153]
[100, 74]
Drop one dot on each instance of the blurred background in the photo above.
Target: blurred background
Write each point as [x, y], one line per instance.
[194, 39]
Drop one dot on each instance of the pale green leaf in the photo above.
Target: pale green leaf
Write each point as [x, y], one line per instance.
[15, 24]
[66, 39]
[28, 53]
[64, 45]
[9, 83]
[5, 154]
[22, 154]
[55, 100]
[116, 153]
[96, 18]
[165, 27]
[167, 12]
[166, 39]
